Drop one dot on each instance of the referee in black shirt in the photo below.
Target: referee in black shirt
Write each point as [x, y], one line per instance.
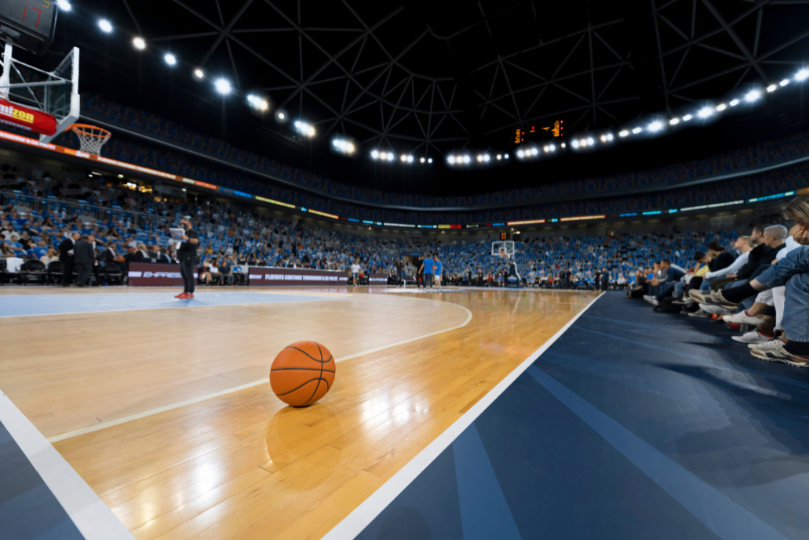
[187, 255]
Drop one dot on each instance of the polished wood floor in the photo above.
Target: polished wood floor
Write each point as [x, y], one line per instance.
[243, 465]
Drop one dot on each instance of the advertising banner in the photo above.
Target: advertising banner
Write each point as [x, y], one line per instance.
[260, 276]
[25, 118]
[155, 275]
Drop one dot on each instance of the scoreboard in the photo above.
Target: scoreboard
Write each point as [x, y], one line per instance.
[31, 24]
[532, 133]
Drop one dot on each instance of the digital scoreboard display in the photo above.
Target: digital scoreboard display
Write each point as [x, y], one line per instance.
[30, 24]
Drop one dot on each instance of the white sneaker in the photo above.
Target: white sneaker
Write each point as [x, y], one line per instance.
[752, 337]
[714, 309]
[699, 313]
[743, 318]
[651, 299]
[770, 345]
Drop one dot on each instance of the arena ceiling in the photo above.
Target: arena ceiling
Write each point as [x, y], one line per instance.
[427, 77]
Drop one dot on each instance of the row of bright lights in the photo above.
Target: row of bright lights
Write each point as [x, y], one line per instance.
[481, 158]
[404, 158]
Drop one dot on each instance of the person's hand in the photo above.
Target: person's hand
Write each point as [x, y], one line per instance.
[731, 275]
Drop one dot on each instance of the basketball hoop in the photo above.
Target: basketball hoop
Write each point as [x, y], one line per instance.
[91, 138]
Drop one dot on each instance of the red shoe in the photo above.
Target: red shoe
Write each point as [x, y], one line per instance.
[183, 296]
[189, 296]
[180, 295]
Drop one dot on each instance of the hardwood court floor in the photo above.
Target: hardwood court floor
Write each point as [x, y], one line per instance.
[242, 465]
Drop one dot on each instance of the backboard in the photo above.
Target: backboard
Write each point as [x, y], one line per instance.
[54, 92]
[503, 247]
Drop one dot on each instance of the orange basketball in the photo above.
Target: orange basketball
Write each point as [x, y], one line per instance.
[302, 373]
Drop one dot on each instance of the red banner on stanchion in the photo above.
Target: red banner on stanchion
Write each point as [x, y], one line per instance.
[25, 118]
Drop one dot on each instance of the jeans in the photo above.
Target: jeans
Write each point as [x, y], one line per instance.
[678, 290]
[664, 289]
[792, 271]
[428, 281]
[706, 285]
[187, 264]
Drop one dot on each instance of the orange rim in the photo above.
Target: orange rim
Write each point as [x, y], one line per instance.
[80, 128]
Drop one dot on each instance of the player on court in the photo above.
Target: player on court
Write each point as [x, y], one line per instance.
[427, 266]
[355, 271]
[437, 268]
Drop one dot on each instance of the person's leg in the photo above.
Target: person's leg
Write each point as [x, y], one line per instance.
[778, 303]
[664, 290]
[678, 290]
[705, 285]
[67, 273]
[191, 262]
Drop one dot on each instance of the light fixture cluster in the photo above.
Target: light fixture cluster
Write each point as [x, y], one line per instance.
[258, 103]
[482, 159]
[343, 146]
[305, 129]
[382, 155]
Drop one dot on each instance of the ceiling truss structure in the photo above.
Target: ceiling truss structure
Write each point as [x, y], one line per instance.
[360, 77]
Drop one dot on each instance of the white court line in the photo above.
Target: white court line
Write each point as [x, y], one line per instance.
[179, 306]
[365, 513]
[91, 516]
[138, 416]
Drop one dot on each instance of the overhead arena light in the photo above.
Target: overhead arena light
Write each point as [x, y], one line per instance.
[772, 88]
[687, 117]
[375, 154]
[199, 74]
[674, 121]
[575, 143]
[282, 116]
[451, 160]
[623, 133]
[784, 82]
[105, 25]
[752, 96]
[222, 86]
[721, 107]
[705, 112]
[520, 154]
[429, 160]
[170, 59]
[139, 43]
[637, 130]
[422, 160]
[344, 146]
[64, 5]
[499, 157]
[505, 156]
[734, 102]
[305, 129]
[802, 75]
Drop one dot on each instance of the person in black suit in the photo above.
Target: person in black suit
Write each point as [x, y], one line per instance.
[160, 257]
[84, 259]
[605, 279]
[66, 257]
[142, 255]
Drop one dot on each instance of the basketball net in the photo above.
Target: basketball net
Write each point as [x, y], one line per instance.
[91, 138]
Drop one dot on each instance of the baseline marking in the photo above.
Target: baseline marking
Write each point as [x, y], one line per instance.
[368, 510]
[87, 511]
[138, 416]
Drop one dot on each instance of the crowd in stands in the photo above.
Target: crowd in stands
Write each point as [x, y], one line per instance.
[760, 184]
[758, 281]
[738, 159]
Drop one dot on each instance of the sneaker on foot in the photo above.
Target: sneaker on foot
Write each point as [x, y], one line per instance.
[700, 313]
[743, 318]
[719, 298]
[713, 309]
[651, 299]
[767, 345]
[189, 296]
[680, 302]
[780, 354]
[182, 296]
[699, 296]
[752, 337]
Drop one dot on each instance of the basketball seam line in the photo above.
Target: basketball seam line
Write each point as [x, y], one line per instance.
[302, 369]
[321, 373]
[309, 355]
[301, 386]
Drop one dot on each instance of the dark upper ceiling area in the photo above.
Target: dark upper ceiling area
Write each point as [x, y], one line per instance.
[425, 77]
[430, 77]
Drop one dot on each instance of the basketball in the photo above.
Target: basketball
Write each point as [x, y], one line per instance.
[302, 373]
